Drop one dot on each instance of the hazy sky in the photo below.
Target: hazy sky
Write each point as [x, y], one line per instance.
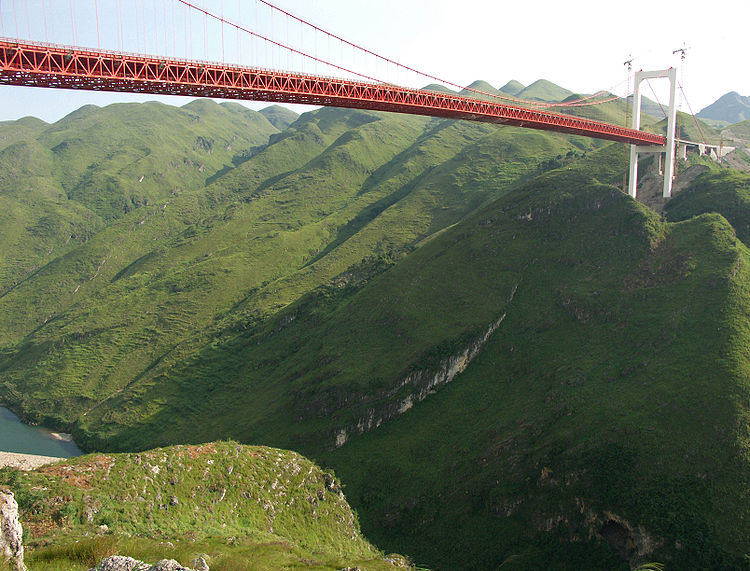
[580, 45]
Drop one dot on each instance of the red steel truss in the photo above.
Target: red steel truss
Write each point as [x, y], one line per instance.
[47, 65]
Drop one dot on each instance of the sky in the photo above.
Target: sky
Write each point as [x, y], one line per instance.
[581, 46]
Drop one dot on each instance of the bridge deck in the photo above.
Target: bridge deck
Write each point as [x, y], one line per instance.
[47, 65]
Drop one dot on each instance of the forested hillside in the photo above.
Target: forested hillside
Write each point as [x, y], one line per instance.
[509, 362]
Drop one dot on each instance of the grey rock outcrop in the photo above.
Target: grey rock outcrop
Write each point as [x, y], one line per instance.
[11, 533]
[200, 563]
[122, 563]
[169, 565]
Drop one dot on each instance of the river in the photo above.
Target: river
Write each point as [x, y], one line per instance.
[24, 439]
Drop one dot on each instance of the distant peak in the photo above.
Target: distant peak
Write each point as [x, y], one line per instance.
[481, 85]
[731, 107]
[279, 116]
[544, 90]
[437, 88]
[201, 105]
[513, 87]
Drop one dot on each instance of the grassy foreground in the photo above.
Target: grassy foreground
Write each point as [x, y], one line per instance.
[246, 507]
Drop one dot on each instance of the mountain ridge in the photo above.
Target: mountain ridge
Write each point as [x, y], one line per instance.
[730, 107]
[360, 282]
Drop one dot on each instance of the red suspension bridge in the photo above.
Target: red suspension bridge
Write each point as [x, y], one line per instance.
[47, 64]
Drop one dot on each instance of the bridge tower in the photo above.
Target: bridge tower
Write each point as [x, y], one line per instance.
[667, 150]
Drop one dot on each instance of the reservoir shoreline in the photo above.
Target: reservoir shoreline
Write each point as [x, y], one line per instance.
[26, 440]
[26, 461]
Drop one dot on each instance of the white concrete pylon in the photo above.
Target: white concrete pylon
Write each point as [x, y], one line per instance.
[669, 148]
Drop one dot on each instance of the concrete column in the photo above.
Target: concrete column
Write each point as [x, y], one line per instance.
[635, 124]
[671, 126]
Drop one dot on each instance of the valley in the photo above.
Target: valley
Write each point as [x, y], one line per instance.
[508, 362]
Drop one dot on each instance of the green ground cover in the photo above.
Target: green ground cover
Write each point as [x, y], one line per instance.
[306, 289]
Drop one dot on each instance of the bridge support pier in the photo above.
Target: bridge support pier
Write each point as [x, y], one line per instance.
[669, 148]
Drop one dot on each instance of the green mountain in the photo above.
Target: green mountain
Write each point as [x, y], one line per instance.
[739, 131]
[486, 91]
[61, 183]
[508, 361]
[25, 128]
[162, 282]
[280, 117]
[601, 413]
[693, 129]
[725, 192]
[231, 504]
[649, 108]
[544, 90]
[513, 87]
[572, 418]
[437, 87]
[689, 128]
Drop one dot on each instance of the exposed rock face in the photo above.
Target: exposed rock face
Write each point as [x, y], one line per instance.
[11, 547]
[419, 385]
[122, 563]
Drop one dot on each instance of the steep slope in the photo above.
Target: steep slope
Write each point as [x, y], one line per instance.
[510, 368]
[280, 117]
[730, 107]
[574, 422]
[94, 149]
[691, 129]
[608, 411]
[649, 107]
[240, 507]
[601, 416]
[61, 183]
[725, 192]
[740, 131]
[114, 317]
[39, 221]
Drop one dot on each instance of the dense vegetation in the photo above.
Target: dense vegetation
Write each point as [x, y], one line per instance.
[507, 360]
[726, 192]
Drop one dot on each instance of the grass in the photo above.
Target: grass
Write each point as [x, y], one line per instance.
[158, 284]
[245, 507]
[222, 556]
[322, 283]
[61, 183]
[725, 192]
[601, 377]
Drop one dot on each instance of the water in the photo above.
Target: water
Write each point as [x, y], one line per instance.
[22, 438]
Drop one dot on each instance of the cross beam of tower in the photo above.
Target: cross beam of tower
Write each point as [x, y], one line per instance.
[668, 147]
